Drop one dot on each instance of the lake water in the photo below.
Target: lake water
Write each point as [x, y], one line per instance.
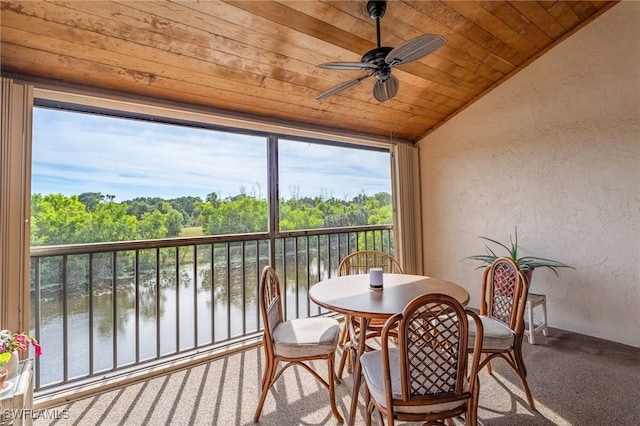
[183, 311]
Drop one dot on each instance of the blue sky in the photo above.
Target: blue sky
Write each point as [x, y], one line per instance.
[75, 153]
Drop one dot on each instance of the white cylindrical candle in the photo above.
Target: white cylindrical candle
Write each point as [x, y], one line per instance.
[375, 277]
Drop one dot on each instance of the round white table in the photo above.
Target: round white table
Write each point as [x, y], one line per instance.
[351, 295]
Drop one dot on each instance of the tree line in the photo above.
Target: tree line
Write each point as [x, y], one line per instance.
[93, 217]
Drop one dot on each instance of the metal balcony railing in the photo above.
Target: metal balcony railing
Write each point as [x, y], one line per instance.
[101, 309]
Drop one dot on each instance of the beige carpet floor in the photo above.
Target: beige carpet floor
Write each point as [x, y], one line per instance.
[575, 380]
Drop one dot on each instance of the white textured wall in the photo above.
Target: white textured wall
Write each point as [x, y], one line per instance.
[555, 151]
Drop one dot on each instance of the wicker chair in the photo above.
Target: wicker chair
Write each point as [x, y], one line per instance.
[294, 342]
[504, 298]
[429, 376]
[360, 262]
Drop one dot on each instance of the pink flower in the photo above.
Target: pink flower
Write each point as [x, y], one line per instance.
[10, 342]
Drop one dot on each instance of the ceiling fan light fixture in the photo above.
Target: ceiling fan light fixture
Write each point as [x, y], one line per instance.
[384, 90]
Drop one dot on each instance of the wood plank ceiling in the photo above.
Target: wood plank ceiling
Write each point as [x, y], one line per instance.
[260, 57]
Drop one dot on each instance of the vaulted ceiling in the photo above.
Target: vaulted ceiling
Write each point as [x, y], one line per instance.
[260, 57]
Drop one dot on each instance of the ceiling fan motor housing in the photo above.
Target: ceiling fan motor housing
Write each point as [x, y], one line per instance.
[376, 57]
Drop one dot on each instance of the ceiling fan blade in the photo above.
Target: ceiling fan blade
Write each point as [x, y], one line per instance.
[414, 49]
[348, 66]
[385, 90]
[342, 86]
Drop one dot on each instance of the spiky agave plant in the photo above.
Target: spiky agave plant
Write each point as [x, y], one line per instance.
[525, 263]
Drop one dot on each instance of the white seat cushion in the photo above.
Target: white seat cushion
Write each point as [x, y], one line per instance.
[306, 337]
[497, 336]
[373, 374]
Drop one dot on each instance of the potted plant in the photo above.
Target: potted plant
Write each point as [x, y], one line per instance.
[526, 263]
[10, 344]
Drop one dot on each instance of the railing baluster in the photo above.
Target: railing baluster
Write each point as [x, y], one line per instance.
[114, 309]
[318, 276]
[329, 255]
[177, 284]
[195, 296]
[308, 268]
[257, 287]
[296, 275]
[228, 284]
[136, 270]
[283, 279]
[65, 318]
[91, 313]
[244, 296]
[213, 293]
[158, 306]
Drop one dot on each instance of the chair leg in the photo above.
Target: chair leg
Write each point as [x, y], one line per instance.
[525, 385]
[488, 365]
[471, 418]
[267, 381]
[345, 336]
[345, 353]
[516, 361]
[390, 419]
[522, 372]
[367, 406]
[267, 370]
[269, 378]
[348, 353]
[332, 390]
[518, 358]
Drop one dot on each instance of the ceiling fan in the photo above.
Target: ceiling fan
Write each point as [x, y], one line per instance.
[381, 60]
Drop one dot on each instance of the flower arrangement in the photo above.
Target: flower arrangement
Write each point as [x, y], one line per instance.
[10, 342]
